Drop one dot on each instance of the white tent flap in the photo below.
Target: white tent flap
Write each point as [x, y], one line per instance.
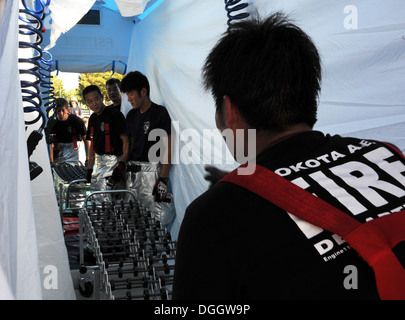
[65, 14]
[18, 245]
[129, 8]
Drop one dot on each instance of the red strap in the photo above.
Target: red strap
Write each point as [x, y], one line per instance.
[372, 240]
[108, 147]
[74, 137]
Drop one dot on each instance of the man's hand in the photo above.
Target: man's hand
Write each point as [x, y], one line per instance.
[119, 172]
[88, 175]
[160, 189]
[214, 175]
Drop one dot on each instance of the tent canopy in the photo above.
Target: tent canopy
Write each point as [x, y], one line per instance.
[100, 39]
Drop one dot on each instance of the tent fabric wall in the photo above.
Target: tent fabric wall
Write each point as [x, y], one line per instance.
[18, 249]
[169, 48]
[129, 8]
[363, 70]
[91, 48]
[33, 254]
[53, 264]
[75, 10]
[65, 15]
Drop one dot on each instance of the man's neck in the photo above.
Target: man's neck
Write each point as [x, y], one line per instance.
[145, 107]
[265, 139]
[101, 110]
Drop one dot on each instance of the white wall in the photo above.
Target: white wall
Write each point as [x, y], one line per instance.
[30, 229]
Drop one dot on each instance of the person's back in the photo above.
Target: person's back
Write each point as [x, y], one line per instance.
[258, 251]
[233, 244]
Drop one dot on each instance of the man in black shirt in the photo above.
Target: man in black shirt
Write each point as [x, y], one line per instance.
[67, 130]
[108, 140]
[113, 86]
[151, 155]
[234, 244]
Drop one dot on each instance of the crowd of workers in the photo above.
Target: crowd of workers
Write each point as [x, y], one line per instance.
[116, 146]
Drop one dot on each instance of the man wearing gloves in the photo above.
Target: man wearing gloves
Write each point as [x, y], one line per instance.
[108, 141]
[147, 177]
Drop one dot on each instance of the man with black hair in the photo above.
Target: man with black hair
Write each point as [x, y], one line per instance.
[108, 141]
[265, 74]
[114, 94]
[64, 135]
[150, 179]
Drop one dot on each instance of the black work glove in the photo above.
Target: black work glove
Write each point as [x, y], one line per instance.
[119, 172]
[214, 175]
[160, 189]
[49, 138]
[88, 174]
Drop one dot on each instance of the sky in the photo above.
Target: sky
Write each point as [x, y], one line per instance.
[70, 80]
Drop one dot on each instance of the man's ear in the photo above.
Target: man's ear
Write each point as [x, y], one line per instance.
[143, 92]
[231, 113]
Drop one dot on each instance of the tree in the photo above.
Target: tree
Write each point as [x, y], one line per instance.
[98, 79]
[72, 93]
[59, 90]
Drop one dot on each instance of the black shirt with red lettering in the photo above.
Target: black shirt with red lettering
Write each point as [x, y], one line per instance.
[234, 244]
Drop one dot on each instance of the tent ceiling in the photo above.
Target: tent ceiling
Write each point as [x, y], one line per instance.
[87, 48]
[112, 5]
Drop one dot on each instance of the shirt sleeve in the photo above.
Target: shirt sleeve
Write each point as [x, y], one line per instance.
[81, 128]
[165, 121]
[90, 124]
[128, 122]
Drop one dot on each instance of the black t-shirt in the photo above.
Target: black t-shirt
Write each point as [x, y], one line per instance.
[65, 130]
[233, 244]
[139, 125]
[116, 122]
[115, 107]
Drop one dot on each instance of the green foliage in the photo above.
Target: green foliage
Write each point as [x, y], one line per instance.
[85, 79]
[59, 90]
[98, 79]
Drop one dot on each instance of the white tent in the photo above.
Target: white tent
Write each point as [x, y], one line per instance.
[362, 45]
